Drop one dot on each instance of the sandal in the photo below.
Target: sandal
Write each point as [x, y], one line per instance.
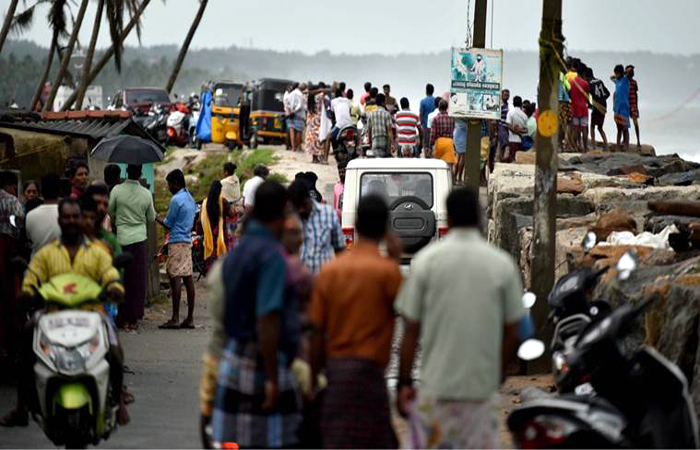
[169, 325]
[187, 325]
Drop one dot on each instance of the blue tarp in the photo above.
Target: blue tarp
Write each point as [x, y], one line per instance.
[204, 123]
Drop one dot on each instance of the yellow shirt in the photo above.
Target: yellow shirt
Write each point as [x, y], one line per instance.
[91, 261]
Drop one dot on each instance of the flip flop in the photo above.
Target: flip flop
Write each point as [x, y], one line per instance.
[187, 326]
[169, 325]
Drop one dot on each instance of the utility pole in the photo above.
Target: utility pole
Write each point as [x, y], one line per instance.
[545, 201]
[471, 162]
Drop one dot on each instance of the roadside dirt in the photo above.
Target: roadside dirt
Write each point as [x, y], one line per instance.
[290, 163]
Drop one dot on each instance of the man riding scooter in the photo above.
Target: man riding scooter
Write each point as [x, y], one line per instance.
[72, 253]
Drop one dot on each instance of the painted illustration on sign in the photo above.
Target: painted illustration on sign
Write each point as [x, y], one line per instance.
[477, 75]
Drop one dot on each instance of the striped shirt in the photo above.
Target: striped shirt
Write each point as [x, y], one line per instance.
[407, 127]
[633, 93]
[322, 237]
[378, 121]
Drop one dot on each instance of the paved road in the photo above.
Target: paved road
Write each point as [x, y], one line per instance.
[165, 383]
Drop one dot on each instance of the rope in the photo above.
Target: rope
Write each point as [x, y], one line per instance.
[468, 40]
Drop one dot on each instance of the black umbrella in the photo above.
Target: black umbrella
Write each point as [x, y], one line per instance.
[127, 150]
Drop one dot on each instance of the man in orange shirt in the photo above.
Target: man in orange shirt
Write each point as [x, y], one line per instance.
[353, 327]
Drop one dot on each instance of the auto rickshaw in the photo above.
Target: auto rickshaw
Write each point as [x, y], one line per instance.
[229, 113]
[267, 124]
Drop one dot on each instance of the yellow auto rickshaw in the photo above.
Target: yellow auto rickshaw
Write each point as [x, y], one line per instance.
[229, 113]
[267, 121]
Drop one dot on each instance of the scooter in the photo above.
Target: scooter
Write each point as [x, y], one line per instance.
[195, 109]
[76, 406]
[178, 125]
[620, 398]
[155, 122]
[345, 145]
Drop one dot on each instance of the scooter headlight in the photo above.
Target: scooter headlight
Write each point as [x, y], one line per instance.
[70, 360]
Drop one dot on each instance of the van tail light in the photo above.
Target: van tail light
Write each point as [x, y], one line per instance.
[442, 231]
[349, 234]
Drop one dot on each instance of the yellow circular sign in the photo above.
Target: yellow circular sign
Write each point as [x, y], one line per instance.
[547, 123]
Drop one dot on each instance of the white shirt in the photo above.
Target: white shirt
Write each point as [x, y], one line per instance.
[42, 226]
[296, 102]
[517, 118]
[432, 116]
[249, 190]
[341, 108]
[285, 102]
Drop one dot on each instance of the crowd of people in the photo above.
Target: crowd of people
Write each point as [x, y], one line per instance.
[302, 329]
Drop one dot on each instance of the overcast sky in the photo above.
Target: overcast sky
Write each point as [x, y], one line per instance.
[388, 26]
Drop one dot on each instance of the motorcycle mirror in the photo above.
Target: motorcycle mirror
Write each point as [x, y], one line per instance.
[627, 264]
[531, 349]
[13, 221]
[529, 299]
[589, 242]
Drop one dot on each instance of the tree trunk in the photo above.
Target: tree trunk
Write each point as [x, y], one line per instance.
[44, 76]
[9, 16]
[90, 54]
[186, 46]
[65, 60]
[106, 56]
[545, 204]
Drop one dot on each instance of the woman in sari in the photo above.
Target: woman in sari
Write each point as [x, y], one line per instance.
[313, 145]
[211, 224]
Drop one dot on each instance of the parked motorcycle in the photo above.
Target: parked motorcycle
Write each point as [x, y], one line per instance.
[76, 405]
[611, 396]
[178, 127]
[155, 122]
[195, 107]
[346, 145]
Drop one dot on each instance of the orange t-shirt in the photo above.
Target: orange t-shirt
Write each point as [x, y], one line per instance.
[353, 304]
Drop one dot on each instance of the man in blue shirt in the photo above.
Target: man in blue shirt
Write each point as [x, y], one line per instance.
[427, 105]
[179, 222]
[621, 106]
[257, 402]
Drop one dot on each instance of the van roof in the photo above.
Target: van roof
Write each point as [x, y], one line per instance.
[397, 163]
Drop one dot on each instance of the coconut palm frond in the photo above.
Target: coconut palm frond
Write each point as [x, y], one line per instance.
[23, 21]
[57, 17]
[115, 18]
[133, 6]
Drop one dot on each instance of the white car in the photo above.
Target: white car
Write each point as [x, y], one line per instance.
[415, 189]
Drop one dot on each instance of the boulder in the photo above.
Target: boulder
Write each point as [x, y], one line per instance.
[570, 185]
[680, 178]
[610, 196]
[641, 178]
[614, 220]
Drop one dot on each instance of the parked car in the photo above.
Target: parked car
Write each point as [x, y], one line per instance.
[140, 100]
[415, 190]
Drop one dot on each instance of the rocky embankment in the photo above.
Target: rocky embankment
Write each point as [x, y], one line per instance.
[615, 192]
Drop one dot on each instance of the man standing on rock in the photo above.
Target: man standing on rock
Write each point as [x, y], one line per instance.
[179, 222]
[579, 108]
[323, 235]
[468, 332]
[621, 107]
[634, 101]
[599, 105]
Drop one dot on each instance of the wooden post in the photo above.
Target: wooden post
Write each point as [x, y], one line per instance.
[545, 202]
[471, 162]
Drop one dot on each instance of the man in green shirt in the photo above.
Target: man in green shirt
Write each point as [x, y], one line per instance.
[131, 208]
[467, 324]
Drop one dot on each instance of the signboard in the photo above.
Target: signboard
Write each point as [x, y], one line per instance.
[477, 75]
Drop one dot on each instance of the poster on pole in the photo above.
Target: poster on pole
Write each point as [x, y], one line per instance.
[477, 75]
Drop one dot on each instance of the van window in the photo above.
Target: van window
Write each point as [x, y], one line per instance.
[395, 185]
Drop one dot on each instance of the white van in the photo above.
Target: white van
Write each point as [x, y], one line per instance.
[415, 189]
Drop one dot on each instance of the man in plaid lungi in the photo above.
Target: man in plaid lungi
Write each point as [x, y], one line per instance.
[257, 402]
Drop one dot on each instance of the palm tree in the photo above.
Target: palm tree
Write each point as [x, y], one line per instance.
[7, 23]
[57, 22]
[106, 56]
[186, 45]
[90, 52]
[115, 15]
[65, 60]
